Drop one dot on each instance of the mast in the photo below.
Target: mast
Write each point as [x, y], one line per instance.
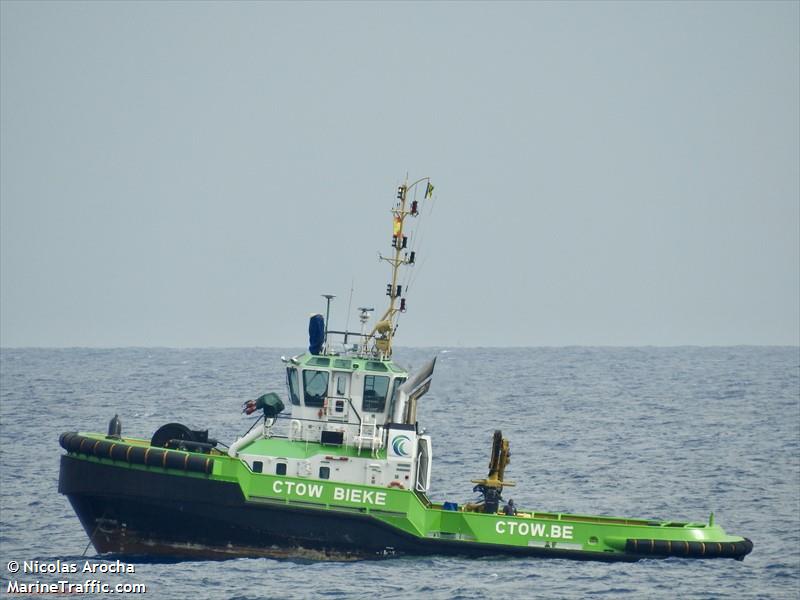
[327, 297]
[385, 328]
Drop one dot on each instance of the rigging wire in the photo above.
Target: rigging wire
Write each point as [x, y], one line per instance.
[255, 422]
[419, 268]
[416, 241]
[415, 235]
[410, 276]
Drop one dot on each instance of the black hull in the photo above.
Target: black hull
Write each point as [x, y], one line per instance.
[134, 512]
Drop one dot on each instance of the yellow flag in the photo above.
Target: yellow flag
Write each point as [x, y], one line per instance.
[429, 190]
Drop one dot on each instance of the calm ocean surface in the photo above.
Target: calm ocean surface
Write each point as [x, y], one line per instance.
[642, 432]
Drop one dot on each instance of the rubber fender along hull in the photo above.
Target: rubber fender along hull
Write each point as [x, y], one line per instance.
[666, 548]
[135, 455]
[135, 511]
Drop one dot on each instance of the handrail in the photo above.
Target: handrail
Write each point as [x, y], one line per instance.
[337, 423]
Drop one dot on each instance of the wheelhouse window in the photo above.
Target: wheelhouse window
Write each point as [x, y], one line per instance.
[292, 381]
[341, 384]
[315, 387]
[375, 389]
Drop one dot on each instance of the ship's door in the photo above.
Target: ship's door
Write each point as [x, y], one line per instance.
[338, 405]
[424, 456]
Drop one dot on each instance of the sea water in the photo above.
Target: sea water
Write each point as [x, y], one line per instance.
[666, 433]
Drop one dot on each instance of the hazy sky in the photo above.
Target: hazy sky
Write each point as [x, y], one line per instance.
[196, 174]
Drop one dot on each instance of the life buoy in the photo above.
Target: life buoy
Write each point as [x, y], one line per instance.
[397, 484]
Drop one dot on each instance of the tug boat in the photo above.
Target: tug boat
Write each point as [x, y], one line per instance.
[344, 475]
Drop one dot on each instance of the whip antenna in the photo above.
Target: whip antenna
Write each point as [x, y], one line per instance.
[349, 302]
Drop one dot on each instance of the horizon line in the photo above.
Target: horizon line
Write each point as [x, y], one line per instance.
[443, 347]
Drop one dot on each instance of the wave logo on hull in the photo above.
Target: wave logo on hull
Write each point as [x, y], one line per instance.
[399, 445]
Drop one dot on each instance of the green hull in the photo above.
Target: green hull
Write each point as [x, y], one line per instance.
[410, 514]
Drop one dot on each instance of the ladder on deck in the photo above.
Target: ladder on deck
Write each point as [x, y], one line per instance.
[368, 435]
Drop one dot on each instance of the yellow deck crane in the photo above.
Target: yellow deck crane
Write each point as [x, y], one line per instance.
[492, 486]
